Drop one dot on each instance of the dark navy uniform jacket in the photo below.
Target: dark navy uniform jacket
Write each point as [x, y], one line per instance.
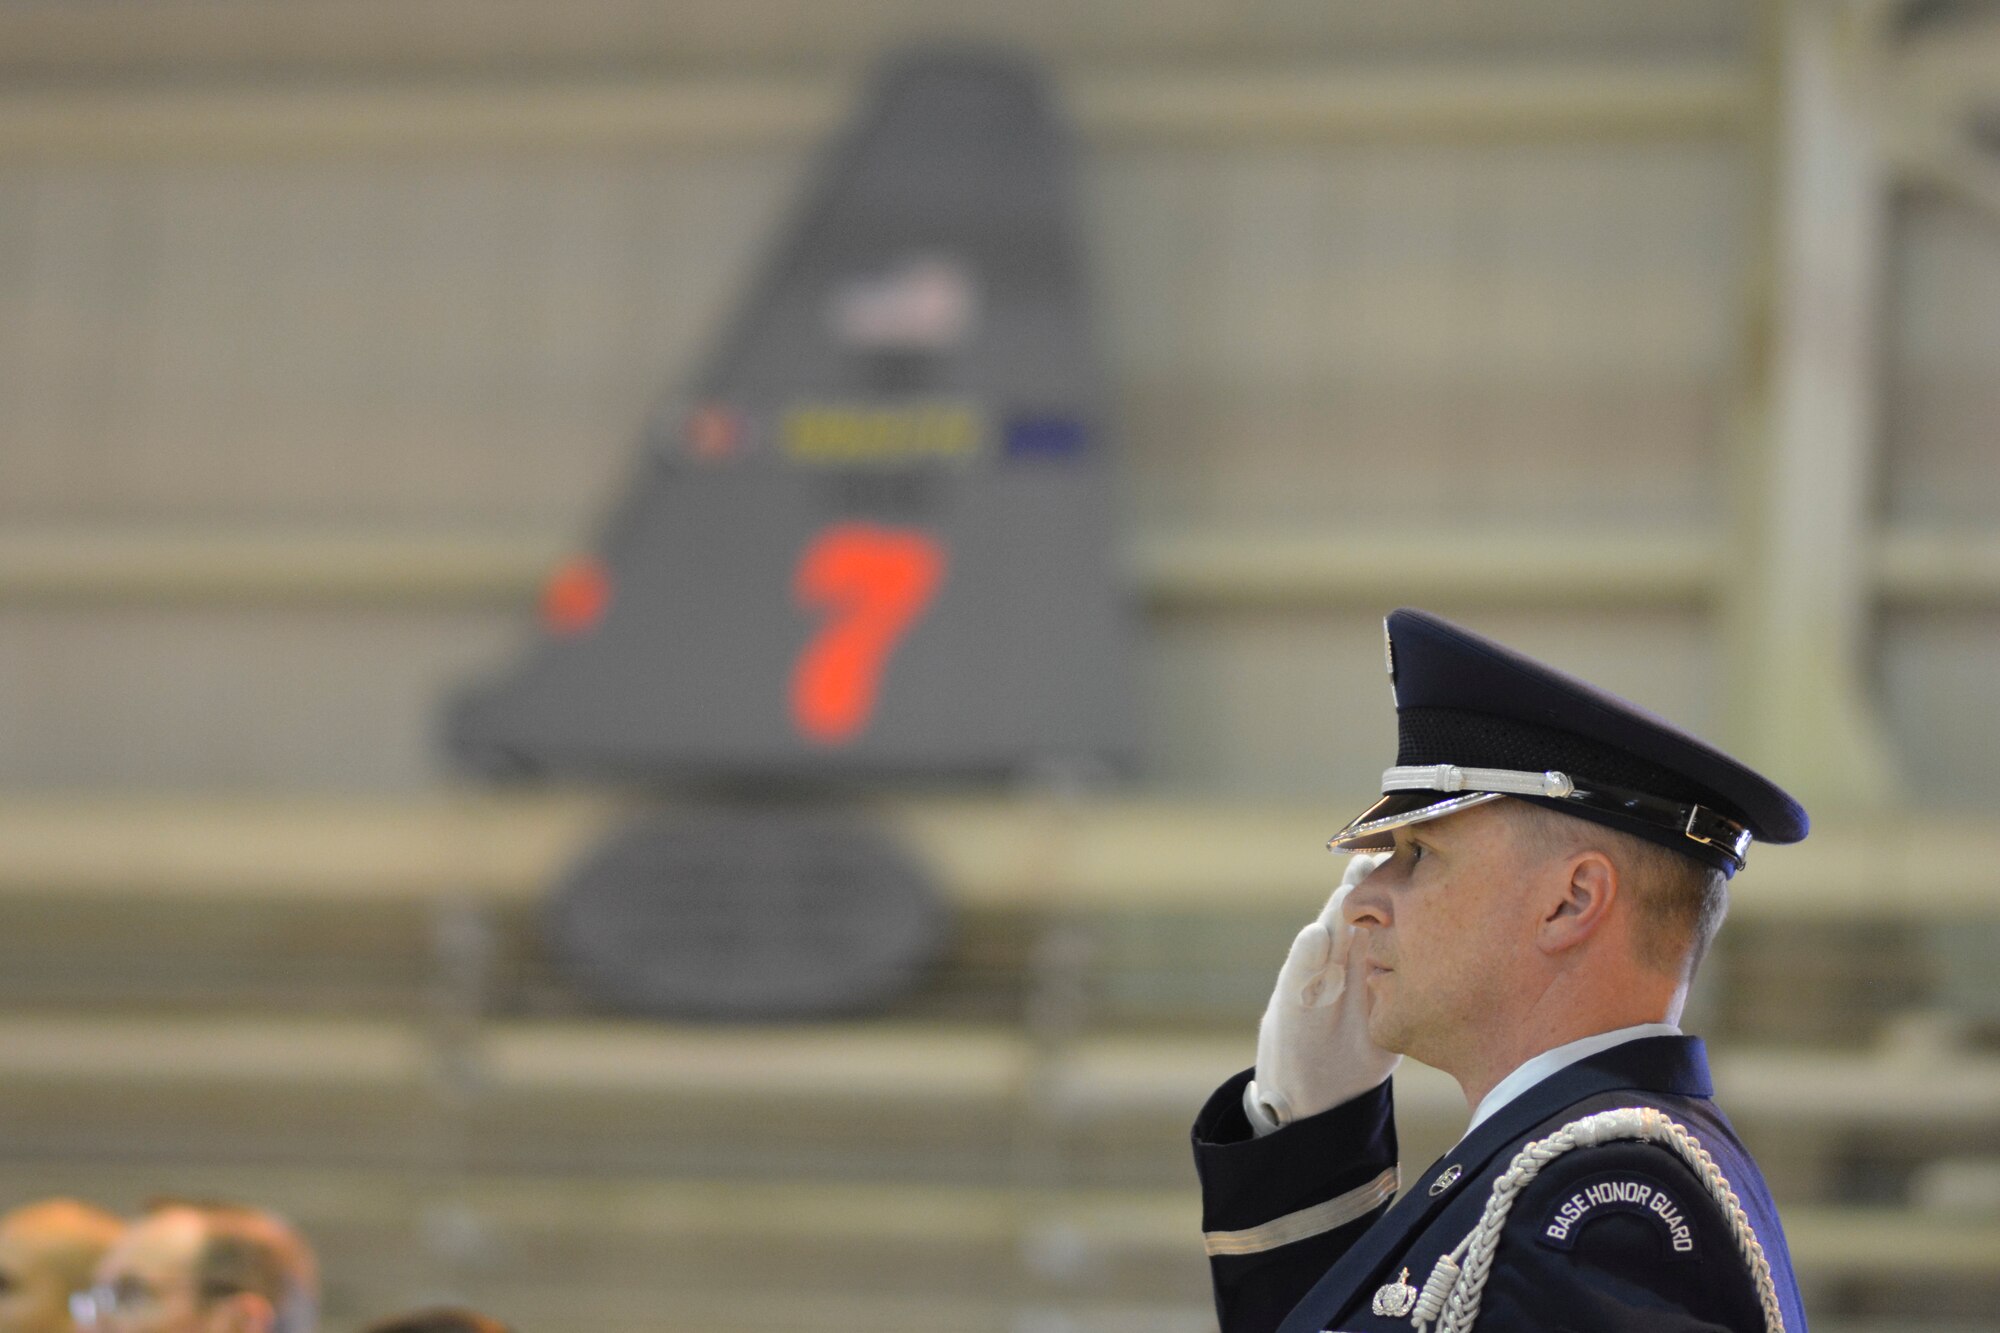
[1607, 1239]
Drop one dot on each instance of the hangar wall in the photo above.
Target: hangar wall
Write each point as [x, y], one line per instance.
[326, 328]
[1491, 336]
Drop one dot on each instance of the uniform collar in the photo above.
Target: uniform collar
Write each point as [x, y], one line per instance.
[1536, 1068]
[1676, 1066]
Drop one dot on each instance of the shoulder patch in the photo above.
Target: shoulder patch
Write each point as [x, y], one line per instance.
[1619, 1192]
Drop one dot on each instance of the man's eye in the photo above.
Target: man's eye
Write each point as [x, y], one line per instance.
[1416, 852]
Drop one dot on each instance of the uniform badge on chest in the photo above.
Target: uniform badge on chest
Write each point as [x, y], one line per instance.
[1393, 1300]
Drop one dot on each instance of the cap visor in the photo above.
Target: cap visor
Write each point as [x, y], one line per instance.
[1374, 830]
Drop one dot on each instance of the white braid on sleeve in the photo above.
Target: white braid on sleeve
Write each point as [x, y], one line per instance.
[1451, 1295]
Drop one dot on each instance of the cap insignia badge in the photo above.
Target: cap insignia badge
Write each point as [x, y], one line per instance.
[1395, 1299]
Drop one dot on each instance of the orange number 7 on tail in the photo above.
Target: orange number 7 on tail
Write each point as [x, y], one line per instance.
[871, 583]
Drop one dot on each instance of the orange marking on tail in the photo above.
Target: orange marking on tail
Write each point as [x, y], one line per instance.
[576, 596]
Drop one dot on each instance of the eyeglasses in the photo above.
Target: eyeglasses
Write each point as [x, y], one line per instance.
[126, 1295]
[106, 1300]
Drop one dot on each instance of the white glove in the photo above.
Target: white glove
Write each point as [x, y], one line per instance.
[1313, 1051]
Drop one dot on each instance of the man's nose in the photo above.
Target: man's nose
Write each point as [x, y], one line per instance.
[1368, 903]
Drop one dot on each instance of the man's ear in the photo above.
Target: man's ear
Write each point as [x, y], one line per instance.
[242, 1312]
[1580, 902]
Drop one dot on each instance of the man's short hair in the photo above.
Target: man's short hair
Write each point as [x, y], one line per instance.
[249, 1249]
[74, 1235]
[1679, 901]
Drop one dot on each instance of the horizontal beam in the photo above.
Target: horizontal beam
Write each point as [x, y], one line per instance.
[95, 566]
[1469, 102]
[132, 40]
[1104, 853]
[1933, 568]
[1652, 99]
[290, 123]
[477, 846]
[932, 1065]
[1148, 1226]
[1360, 567]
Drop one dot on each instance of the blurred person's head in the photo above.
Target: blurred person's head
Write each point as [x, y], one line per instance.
[205, 1267]
[48, 1252]
[439, 1319]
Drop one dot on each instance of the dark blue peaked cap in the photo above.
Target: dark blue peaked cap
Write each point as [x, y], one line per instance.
[1476, 720]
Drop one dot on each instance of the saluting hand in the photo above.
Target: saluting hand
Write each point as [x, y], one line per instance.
[1313, 1048]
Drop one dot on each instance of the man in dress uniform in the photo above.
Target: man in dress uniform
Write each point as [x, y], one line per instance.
[1524, 910]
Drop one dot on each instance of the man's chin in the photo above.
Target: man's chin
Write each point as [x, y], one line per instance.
[1387, 1034]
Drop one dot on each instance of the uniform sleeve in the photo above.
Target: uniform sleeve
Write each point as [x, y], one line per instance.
[1277, 1211]
[1622, 1237]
